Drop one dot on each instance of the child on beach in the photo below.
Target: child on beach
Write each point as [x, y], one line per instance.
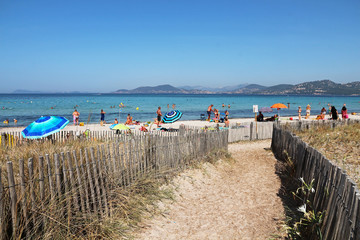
[299, 112]
[159, 114]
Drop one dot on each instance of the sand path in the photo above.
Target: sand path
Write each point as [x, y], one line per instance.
[236, 200]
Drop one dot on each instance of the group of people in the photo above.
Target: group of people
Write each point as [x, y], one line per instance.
[308, 109]
[333, 113]
[76, 117]
[260, 118]
[217, 115]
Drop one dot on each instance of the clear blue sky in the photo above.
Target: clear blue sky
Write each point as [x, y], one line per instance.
[102, 46]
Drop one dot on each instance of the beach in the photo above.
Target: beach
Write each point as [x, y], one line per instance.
[175, 125]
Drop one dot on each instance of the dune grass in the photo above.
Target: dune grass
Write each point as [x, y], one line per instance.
[54, 220]
[340, 145]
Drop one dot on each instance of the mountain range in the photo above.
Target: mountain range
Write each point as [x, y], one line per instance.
[320, 87]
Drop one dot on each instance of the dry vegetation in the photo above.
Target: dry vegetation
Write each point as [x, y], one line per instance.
[340, 145]
[37, 148]
[57, 221]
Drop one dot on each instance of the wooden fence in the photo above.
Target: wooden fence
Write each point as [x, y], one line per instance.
[14, 138]
[335, 193]
[251, 131]
[61, 188]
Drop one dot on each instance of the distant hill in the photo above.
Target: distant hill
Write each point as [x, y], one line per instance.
[249, 89]
[22, 91]
[320, 87]
[161, 89]
[211, 89]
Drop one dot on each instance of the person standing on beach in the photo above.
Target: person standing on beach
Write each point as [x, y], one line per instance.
[102, 117]
[209, 110]
[159, 114]
[76, 116]
[299, 112]
[344, 113]
[308, 108]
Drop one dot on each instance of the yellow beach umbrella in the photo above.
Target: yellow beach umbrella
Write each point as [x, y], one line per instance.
[120, 126]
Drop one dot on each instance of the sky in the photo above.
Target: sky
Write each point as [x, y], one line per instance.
[102, 46]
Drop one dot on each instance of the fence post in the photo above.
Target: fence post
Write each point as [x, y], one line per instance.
[51, 184]
[23, 193]
[96, 178]
[13, 198]
[90, 181]
[72, 182]
[41, 184]
[57, 175]
[2, 232]
[102, 182]
[80, 188]
[32, 193]
[83, 177]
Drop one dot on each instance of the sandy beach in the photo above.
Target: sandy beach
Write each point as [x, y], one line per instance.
[175, 125]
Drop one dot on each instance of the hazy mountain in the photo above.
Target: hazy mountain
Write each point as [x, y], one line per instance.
[150, 90]
[321, 87]
[210, 89]
[22, 91]
[249, 89]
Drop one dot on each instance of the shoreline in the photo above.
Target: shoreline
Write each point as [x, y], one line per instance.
[175, 125]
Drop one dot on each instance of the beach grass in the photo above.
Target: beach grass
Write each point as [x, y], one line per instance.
[37, 148]
[130, 204]
[340, 145]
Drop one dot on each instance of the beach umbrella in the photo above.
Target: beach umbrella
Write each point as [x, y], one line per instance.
[120, 126]
[279, 106]
[172, 116]
[265, 109]
[44, 126]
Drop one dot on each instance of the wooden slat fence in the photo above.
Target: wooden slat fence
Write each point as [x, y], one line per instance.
[14, 138]
[60, 188]
[335, 193]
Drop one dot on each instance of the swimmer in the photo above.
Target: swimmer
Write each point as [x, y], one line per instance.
[15, 121]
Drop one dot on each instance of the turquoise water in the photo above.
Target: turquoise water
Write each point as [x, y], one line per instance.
[28, 107]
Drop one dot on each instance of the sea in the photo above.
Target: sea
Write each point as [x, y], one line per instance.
[26, 108]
